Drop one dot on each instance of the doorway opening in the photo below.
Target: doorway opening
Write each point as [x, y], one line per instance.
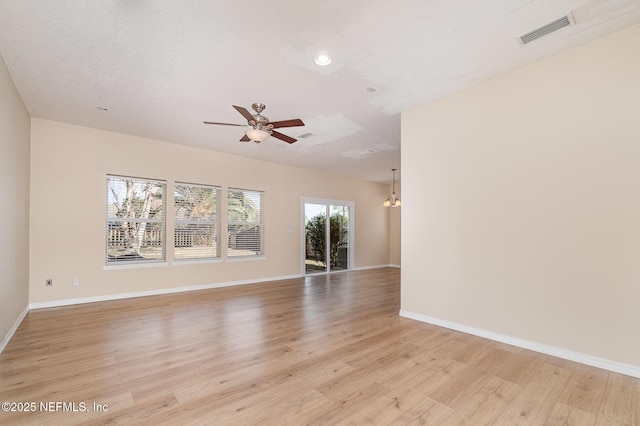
[328, 235]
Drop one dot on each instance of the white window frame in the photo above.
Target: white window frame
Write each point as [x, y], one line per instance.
[215, 223]
[156, 219]
[232, 223]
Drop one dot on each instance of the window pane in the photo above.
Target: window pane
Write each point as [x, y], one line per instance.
[135, 220]
[244, 206]
[244, 240]
[134, 198]
[244, 223]
[196, 226]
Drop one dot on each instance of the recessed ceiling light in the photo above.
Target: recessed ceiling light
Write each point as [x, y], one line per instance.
[322, 59]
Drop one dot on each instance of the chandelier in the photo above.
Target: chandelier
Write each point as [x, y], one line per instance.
[392, 201]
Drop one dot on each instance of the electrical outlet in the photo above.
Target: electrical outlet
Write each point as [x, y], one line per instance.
[49, 281]
[76, 281]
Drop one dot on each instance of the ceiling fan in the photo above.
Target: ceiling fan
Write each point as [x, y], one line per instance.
[259, 127]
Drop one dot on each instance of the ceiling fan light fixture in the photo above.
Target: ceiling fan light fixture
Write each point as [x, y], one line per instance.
[322, 59]
[257, 135]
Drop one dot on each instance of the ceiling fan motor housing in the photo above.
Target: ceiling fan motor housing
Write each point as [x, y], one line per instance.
[259, 122]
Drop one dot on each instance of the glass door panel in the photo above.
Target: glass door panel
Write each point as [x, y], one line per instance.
[326, 242]
[339, 237]
[315, 219]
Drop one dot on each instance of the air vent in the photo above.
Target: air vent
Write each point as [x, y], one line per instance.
[386, 147]
[359, 153]
[565, 21]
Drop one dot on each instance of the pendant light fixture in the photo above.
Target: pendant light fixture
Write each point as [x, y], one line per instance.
[392, 201]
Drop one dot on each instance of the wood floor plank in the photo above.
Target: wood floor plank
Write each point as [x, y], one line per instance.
[324, 349]
[585, 389]
[427, 412]
[565, 415]
[536, 399]
[387, 408]
[485, 405]
[620, 402]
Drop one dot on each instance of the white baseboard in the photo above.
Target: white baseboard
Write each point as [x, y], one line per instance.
[118, 296]
[606, 364]
[362, 268]
[12, 330]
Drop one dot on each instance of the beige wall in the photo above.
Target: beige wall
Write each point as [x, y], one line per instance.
[394, 230]
[521, 203]
[68, 196]
[14, 213]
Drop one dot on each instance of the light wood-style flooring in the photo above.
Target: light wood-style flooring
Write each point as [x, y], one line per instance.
[325, 350]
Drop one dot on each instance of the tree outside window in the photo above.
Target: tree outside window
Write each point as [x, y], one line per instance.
[196, 222]
[135, 230]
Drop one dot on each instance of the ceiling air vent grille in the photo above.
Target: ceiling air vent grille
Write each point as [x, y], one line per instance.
[565, 21]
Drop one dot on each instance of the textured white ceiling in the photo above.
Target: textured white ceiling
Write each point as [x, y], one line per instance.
[162, 67]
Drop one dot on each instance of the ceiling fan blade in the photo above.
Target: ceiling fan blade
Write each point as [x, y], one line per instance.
[246, 114]
[245, 138]
[283, 137]
[224, 124]
[287, 123]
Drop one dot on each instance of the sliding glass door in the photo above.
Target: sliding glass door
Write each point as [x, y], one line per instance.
[327, 237]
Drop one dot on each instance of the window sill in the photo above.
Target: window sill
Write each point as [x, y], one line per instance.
[136, 265]
[196, 261]
[246, 258]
